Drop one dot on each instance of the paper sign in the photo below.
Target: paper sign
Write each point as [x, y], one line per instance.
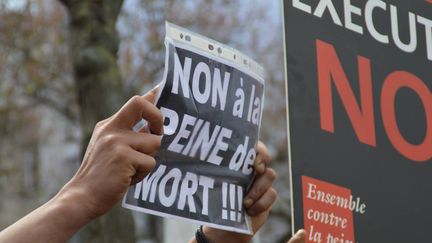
[212, 107]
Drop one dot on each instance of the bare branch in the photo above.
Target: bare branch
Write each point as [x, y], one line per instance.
[65, 110]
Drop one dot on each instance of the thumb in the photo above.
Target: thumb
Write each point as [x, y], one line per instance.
[299, 237]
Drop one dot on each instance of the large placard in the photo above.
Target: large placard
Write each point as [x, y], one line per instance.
[359, 79]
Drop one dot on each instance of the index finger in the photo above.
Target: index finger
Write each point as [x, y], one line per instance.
[151, 95]
[137, 108]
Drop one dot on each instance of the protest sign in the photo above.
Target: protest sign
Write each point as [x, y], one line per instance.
[359, 77]
[211, 98]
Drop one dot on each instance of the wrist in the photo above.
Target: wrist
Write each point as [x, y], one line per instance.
[71, 203]
[216, 235]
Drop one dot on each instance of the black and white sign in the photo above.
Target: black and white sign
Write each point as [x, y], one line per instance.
[212, 108]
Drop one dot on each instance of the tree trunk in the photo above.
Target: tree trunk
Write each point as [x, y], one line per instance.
[94, 45]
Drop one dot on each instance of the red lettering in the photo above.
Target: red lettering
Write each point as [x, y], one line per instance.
[331, 71]
[392, 84]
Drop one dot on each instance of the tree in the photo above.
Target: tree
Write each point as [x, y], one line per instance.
[94, 46]
[34, 75]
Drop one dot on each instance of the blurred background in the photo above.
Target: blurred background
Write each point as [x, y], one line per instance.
[66, 64]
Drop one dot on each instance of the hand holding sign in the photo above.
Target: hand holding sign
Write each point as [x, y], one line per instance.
[116, 156]
[258, 201]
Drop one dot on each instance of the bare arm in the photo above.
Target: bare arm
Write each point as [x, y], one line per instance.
[55, 221]
[116, 157]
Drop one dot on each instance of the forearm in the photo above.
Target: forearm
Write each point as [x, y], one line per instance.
[55, 221]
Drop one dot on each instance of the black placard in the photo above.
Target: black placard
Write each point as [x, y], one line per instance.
[359, 77]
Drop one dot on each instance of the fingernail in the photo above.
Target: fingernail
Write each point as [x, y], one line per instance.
[261, 168]
[248, 202]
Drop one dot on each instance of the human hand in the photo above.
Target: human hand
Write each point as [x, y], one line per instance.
[258, 201]
[117, 156]
[299, 237]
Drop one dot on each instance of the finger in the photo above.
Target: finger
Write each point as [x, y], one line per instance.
[144, 129]
[103, 122]
[299, 237]
[263, 158]
[143, 165]
[134, 110]
[260, 219]
[261, 184]
[263, 203]
[143, 142]
[151, 95]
